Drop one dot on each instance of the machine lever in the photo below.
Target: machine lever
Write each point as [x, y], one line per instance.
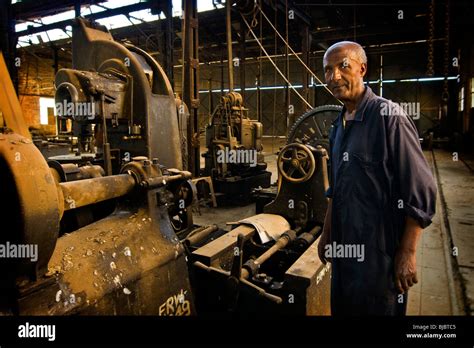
[236, 269]
[286, 238]
[261, 292]
[235, 273]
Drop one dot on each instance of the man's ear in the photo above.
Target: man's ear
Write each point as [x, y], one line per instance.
[363, 69]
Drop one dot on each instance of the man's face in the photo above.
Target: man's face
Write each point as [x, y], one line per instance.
[344, 74]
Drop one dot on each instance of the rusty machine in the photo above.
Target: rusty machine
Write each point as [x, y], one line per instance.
[105, 221]
[268, 264]
[234, 158]
[112, 223]
[312, 128]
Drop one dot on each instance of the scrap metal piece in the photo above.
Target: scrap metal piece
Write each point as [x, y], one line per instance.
[269, 226]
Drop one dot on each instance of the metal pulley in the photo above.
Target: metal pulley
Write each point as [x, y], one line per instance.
[31, 201]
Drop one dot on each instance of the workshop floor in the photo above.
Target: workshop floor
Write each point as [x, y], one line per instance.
[441, 276]
[222, 215]
[447, 285]
[433, 293]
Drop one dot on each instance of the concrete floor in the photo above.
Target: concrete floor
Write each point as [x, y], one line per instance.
[456, 185]
[445, 281]
[433, 295]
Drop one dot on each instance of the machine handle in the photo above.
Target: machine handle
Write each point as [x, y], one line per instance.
[159, 181]
[260, 291]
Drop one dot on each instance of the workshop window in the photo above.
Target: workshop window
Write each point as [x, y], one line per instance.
[47, 111]
[472, 92]
[461, 99]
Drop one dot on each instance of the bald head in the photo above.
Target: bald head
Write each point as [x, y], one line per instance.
[354, 48]
[345, 65]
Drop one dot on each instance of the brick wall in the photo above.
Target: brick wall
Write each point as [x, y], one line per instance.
[35, 80]
[31, 109]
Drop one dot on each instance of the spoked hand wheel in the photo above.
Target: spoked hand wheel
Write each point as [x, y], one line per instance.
[296, 163]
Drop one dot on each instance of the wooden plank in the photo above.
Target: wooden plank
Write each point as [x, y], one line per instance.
[9, 104]
[213, 250]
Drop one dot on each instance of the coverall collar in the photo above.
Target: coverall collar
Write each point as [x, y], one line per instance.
[359, 116]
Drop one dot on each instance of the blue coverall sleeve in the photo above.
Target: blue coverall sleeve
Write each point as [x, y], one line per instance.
[412, 174]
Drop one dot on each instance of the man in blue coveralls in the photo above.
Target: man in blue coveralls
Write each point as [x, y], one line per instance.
[381, 196]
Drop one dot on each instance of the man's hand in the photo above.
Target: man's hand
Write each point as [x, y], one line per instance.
[405, 270]
[405, 258]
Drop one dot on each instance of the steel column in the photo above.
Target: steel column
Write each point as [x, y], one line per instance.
[190, 81]
[242, 54]
[228, 6]
[169, 33]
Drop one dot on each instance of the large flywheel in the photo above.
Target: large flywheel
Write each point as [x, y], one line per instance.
[313, 127]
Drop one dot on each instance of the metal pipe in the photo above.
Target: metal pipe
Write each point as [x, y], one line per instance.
[260, 291]
[228, 5]
[289, 117]
[89, 191]
[163, 180]
[282, 242]
[200, 235]
[105, 141]
[242, 54]
[211, 104]
[306, 238]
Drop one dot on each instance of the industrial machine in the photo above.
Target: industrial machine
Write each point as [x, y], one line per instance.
[312, 128]
[234, 158]
[253, 277]
[109, 230]
[268, 265]
[98, 231]
[122, 106]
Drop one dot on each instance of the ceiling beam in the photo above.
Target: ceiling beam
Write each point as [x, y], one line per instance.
[104, 14]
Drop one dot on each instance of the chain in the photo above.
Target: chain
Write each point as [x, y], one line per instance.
[254, 22]
[445, 95]
[431, 29]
